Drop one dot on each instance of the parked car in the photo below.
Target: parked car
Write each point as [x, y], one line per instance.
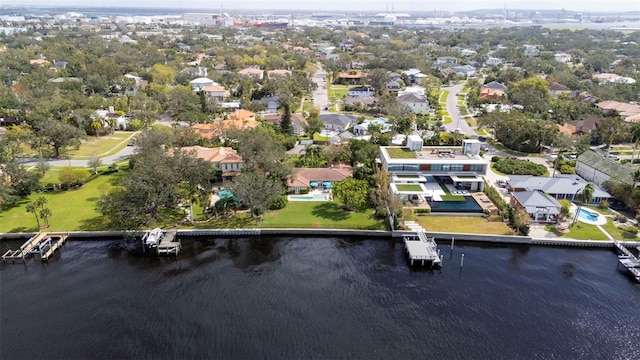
[482, 138]
[502, 183]
[613, 157]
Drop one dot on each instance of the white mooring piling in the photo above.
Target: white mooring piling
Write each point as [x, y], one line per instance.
[462, 260]
[453, 240]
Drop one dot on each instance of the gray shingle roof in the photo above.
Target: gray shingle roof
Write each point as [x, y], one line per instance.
[534, 200]
[615, 170]
[561, 184]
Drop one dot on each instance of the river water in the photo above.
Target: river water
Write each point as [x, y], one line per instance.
[321, 298]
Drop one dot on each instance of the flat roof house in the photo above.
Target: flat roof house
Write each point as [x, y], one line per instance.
[462, 167]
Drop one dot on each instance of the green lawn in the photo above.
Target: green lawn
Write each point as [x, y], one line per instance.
[617, 234]
[444, 94]
[447, 120]
[580, 231]
[463, 224]
[408, 187]
[72, 210]
[101, 146]
[401, 153]
[318, 137]
[601, 211]
[320, 215]
[448, 196]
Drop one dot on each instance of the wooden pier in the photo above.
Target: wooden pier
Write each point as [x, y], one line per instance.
[167, 245]
[422, 249]
[42, 243]
[628, 260]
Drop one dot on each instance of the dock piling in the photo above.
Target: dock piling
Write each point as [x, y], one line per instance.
[462, 261]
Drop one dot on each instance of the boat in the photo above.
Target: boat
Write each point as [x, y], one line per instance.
[153, 237]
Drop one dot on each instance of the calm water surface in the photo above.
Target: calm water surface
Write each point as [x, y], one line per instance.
[323, 298]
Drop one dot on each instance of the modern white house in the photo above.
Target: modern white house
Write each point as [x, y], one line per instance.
[360, 91]
[462, 167]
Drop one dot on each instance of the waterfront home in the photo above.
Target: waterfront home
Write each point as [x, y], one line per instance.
[463, 167]
[559, 187]
[225, 159]
[302, 178]
[539, 206]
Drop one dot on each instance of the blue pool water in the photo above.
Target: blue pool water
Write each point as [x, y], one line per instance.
[308, 197]
[469, 205]
[325, 133]
[588, 215]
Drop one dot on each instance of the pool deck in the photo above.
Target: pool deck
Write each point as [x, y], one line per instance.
[600, 221]
[328, 196]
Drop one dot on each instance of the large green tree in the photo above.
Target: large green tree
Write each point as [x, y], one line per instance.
[60, 135]
[256, 191]
[352, 193]
[532, 93]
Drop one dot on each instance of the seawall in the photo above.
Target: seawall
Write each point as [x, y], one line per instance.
[377, 234]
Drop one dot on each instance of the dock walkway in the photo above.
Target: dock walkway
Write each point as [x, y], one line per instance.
[628, 260]
[42, 243]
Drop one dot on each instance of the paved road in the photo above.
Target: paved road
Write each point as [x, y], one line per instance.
[320, 96]
[120, 155]
[454, 112]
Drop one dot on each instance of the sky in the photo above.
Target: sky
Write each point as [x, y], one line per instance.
[351, 5]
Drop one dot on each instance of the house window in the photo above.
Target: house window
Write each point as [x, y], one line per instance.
[456, 167]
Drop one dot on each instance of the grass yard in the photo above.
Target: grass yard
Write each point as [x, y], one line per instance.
[401, 153]
[327, 215]
[318, 137]
[618, 234]
[72, 210]
[580, 231]
[338, 91]
[601, 211]
[101, 146]
[448, 196]
[463, 224]
[408, 187]
[447, 119]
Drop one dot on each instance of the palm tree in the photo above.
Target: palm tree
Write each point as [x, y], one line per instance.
[45, 214]
[635, 135]
[191, 193]
[312, 154]
[32, 208]
[636, 177]
[587, 194]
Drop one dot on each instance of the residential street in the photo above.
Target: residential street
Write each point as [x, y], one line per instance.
[320, 96]
[454, 112]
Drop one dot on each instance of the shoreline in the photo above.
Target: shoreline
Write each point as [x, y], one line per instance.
[378, 234]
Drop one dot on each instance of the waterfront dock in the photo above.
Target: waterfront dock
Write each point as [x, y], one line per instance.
[422, 249]
[167, 244]
[42, 243]
[628, 260]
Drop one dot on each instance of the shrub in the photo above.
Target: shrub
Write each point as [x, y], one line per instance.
[281, 203]
[620, 218]
[495, 158]
[304, 191]
[604, 204]
[381, 212]
[519, 167]
[486, 212]
[629, 229]
[421, 211]
[566, 169]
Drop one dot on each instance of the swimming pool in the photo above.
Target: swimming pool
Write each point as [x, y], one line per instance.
[314, 197]
[469, 205]
[325, 133]
[588, 215]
